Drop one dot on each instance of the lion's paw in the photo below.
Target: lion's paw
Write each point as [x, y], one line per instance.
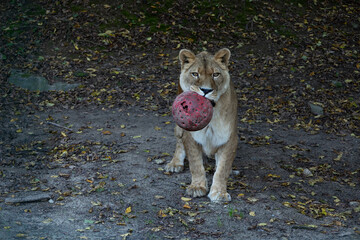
[173, 167]
[196, 191]
[219, 196]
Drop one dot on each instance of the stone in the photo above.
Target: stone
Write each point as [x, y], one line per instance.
[307, 173]
[316, 109]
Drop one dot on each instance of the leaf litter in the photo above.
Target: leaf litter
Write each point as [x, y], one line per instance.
[296, 68]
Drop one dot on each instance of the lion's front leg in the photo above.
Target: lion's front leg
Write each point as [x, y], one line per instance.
[198, 186]
[177, 162]
[224, 159]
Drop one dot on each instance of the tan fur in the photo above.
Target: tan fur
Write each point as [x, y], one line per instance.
[202, 73]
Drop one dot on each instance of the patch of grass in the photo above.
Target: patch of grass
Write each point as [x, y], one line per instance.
[149, 222]
[76, 8]
[282, 30]
[113, 24]
[219, 222]
[35, 10]
[233, 212]
[81, 74]
[132, 18]
[25, 75]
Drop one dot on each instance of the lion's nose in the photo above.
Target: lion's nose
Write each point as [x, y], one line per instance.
[206, 90]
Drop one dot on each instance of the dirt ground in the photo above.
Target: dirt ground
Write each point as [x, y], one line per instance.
[89, 163]
[113, 186]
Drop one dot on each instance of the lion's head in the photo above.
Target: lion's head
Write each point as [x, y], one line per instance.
[206, 74]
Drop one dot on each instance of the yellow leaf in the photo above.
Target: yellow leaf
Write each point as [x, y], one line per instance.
[185, 199]
[161, 213]
[286, 204]
[128, 210]
[63, 134]
[167, 122]
[20, 235]
[19, 131]
[252, 213]
[137, 136]
[122, 126]
[262, 224]
[252, 199]
[310, 226]
[106, 132]
[157, 128]
[323, 211]
[49, 220]
[273, 175]
[187, 206]
[338, 158]
[125, 235]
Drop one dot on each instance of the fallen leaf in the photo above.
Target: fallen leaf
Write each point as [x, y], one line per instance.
[187, 206]
[185, 199]
[338, 158]
[128, 210]
[161, 213]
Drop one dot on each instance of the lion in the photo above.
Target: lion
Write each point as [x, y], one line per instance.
[208, 75]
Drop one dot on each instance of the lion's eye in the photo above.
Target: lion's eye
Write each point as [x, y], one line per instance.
[195, 74]
[215, 75]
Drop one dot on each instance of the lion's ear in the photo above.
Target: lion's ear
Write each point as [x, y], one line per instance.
[222, 57]
[186, 57]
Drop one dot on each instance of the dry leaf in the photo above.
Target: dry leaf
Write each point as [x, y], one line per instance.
[128, 210]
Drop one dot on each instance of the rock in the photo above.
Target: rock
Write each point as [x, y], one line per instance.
[26, 197]
[354, 204]
[307, 173]
[316, 109]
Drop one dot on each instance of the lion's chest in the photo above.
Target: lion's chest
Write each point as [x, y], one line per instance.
[216, 134]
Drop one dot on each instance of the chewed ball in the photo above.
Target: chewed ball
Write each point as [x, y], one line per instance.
[192, 111]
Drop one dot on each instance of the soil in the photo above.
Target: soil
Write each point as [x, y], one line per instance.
[89, 163]
[95, 177]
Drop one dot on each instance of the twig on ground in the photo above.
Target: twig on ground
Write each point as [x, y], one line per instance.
[57, 125]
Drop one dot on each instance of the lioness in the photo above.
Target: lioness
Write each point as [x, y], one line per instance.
[208, 75]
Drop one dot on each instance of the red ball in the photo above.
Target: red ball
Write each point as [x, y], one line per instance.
[192, 111]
